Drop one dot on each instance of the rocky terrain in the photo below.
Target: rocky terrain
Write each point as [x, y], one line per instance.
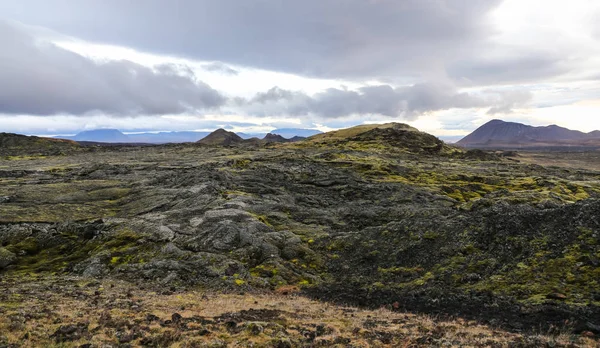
[371, 216]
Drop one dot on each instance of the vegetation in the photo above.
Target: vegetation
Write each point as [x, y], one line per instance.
[111, 313]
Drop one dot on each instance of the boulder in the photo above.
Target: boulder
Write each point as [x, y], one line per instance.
[7, 258]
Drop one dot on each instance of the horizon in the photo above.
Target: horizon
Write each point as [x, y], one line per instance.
[447, 138]
[445, 70]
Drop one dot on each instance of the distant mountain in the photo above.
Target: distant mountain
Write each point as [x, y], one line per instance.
[251, 135]
[289, 133]
[274, 138]
[167, 137]
[498, 133]
[450, 139]
[116, 136]
[221, 137]
[100, 136]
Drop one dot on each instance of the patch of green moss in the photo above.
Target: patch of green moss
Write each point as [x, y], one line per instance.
[431, 235]
[122, 247]
[28, 245]
[532, 279]
[241, 163]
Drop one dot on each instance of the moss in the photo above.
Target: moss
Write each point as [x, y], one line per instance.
[470, 249]
[241, 163]
[122, 247]
[304, 282]
[541, 274]
[262, 218]
[264, 271]
[431, 235]
[378, 285]
[29, 246]
[423, 280]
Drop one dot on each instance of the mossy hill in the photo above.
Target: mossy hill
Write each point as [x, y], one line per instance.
[377, 215]
[395, 137]
[22, 145]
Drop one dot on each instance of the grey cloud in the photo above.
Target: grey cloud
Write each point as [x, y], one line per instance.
[335, 38]
[408, 102]
[39, 78]
[533, 66]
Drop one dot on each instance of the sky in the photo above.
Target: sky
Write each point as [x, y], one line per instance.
[443, 66]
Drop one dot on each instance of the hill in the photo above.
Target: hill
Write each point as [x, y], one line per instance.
[221, 137]
[102, 136]
[274, 138]
[498, 133]
[395, 137]
[22, 145]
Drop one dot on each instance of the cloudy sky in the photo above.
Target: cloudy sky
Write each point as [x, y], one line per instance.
[444, 66]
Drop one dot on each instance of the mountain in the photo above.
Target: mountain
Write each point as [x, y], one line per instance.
[116, 136]
[167, 137]
[17, 145]
[450, 139]
[274, 138]
[289, 133]
[221, 137]
[498, 133]
[247, 136]
[100, 136]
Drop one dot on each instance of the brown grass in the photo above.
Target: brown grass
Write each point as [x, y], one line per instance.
[32, 310]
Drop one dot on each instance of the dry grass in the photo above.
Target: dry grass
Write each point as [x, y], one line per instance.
[110, 313]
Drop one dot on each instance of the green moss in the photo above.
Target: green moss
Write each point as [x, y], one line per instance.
[264, 270]
[262, 218]
[423, 280]
[542, 274]
[122, 247]
[304, 282]
[431, 235]
[378, 285]
[29, 245]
